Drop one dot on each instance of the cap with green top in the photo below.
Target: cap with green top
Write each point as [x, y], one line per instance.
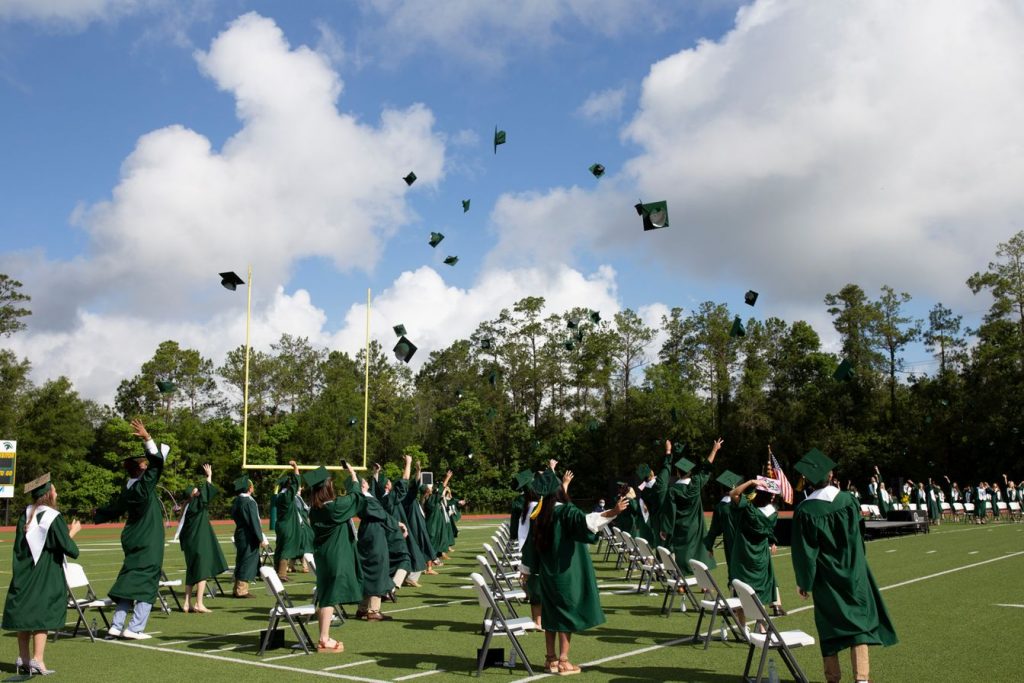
[230, 280]
[684, 465]
[750, 298]
[399, 330]
[737, 328]
[465, 205]
[241, 485]
[451, 260]
[643, 471]
[435, 238]
[404, 349]
[316, 478]
[165, 386]
[654, 215]
[410, 179]
[523, 478]
[597, 170]
[815, 466]
[499, 138]
[39, 487]
[729, 479]
[845, 372]
[545, 484]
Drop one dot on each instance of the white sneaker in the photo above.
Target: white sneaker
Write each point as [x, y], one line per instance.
[132, 635]
[114, 632]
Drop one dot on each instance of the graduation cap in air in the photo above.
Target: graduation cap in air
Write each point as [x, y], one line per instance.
[597, 170]
[165, 387]
[737, 328]
[523, 478]
[571, 324]
[593, 425]
[352, 422]
[595, 317]
[750, 298]
[486, 343]
[678, 447]
[230, 280]
[39, 486]
[316, 478]
[465, 205]
[684, 465]
[579, 335]
[569, 345]
[458, 394]
[404, 349]
[844, 373]
[491, 413]
[729, 479]
[451, 260]
[815, 466]
[241, 485]
[435, 239]
[499, 138]
[492, 377]
[674, 413]
[655, 214]
[399, 330]
[410, 179]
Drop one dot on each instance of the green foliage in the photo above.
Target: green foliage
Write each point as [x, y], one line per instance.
[11, 311]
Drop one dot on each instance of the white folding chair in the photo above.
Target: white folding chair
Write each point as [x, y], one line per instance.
[500, 593]
[865, 510]
[968, 512]
[497, 624]
[875, 512]
[675, 580]
[74, 577]
[1004, 510]
[958, 512]
[169, 585]
[716, 603]
[284, 608]
[647, 563]
[631, 552]
[614, 544]
[1015, 512]
[771, 639]
[503, 571]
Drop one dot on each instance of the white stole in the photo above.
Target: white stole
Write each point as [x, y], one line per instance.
[181, 523]
[36, 528]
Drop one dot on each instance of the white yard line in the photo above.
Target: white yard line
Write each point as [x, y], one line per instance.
[290, 654]
[421, 674]
[1002, 605]
[350, 664]
[436, 604]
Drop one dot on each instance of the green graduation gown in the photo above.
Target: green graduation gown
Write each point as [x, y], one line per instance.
[979, 502]
[248, 537]
[398, 547]
[516, 510]
[884, 502]
[374, 526]
[142, 538]
[339, 575]
[37, 596]
[203, 556]
[722, 524]
[305, 530]
[829, 561]
[934, 509]
[288, 545]
[565, 579]
[421, 550]
[436, 522]
[750, 560]
[682, 516]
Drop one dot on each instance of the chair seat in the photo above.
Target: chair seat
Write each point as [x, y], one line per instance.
[518, 625]
[517, 594]
[174, 583]
[298, 611]
[791, 638]
[734, 603]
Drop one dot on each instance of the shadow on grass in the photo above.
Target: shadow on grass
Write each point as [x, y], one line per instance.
[453, 665]
[662, 673]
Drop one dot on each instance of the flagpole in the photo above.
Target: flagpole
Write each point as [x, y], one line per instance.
[245, 388]
[366, 380]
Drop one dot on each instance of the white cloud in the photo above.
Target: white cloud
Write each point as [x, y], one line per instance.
[603, 105]
[71, 13]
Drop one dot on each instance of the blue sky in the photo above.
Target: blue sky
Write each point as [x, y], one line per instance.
[150, 142]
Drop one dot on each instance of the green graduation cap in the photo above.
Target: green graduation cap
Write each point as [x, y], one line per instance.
[523, 478]
[597, 170]
[492, 377]
[571, 324]
[352, 422]
[737, 328]
[399, 330]
[593, 425]
[815, 466]
[39, 486]
[486, 343]
[595, 317]
[285, 480]
[165, 387]
[621, 483]
[643, 470]
[678, 447]
[750, 298]
[729, 479]
[465, 205]
[458, 394]
[684, 465]
[674, 413]
[491, 413]
[404, 349]
[435, 239]
[451, 260]
[569, 345]
[844, 373]
[499, 138]
[230, 280]
[316, 478]
[654, 215]
[410, 179]
[545, 484]
[241, 485]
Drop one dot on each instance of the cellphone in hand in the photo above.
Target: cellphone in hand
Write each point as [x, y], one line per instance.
[344, 463]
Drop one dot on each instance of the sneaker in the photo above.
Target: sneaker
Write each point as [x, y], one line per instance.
[114, 632]
[132, 635]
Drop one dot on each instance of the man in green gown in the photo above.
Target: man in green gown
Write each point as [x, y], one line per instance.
[142, 538]
[682, 511]
[203, 556]
[830, 563]
[249, 536]
[288, 544]
[722, 523]
[390, 495]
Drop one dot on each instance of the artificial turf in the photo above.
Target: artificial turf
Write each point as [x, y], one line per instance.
[944, 591]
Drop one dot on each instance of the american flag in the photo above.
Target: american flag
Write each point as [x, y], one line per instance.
[775, 472]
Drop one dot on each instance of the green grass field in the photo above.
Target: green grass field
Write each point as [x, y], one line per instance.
[946, 592]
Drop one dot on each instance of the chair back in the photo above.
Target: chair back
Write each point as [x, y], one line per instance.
[74, 574]
[969, 507]
[488, 573]
[308, 557]
[752, 607]
[493, 557]
[704, 579]
[875, 512]
[865, 509]
[668, 562]
[959, 507]
[275, 586]
[644, 550]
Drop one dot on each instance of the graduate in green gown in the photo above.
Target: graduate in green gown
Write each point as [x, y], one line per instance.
[558, 555]
[830, 562]
[142, 538]
[753, 545]
[432, 499]
[421, 551]
[374, 558]
[679, 486]
[37, 596]
[248, 538]
[203, 556]
[339, 576]
[390, 498]
[722, 523]
[288, 543]
[522, 481]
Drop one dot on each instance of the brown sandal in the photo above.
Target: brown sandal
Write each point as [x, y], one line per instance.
[567, 669]
[550, 664]
[337, 648]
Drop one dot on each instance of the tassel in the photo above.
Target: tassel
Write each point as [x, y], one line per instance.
[536, 510]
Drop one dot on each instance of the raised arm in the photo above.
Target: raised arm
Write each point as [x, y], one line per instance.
[447, 478]
[406, 471]
[714, 450]
[737, 492]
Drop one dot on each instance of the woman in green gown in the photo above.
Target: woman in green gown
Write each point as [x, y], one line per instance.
[37, 597]
[421, 551]
[374, 555]
[558, 556]
[339, 575]
[682, 510]
[722, 519]
[288, 543]
[203, 556]
[754, 542]
[248, 538]
[437, 520]
[390, 497]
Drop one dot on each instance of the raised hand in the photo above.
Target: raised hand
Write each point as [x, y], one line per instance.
[567, 479]
[139, 430]
[552, 463]
[620, 506]
[718, 444]
[668, 447]
[208, 471]
[74, 527]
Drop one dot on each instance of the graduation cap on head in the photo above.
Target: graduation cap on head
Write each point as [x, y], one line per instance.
[499, 138]
[435, 239]
[399, 330]
[597, 170]
[844, 373]
[404, 349]
[643, 471]
[410, 179]
[815, 466]
[545, 484]
[285, 480]
[241, 485]
[523, 478]
[39, 486]
[230, 280]
[654, 215]
[316, 478]
[465, 205]
[165, 387]
[750, 298]
[737, 328]
[451, 260]
[729, 479]
[595, 317]
[684, 465]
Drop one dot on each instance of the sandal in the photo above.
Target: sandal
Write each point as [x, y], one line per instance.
[202, 610]
[567, 669]
[777, 611]
[550, 664]
[337, 648]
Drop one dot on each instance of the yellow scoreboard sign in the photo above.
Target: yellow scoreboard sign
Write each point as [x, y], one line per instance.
[8, 459]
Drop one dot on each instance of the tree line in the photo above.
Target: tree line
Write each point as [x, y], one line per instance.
[587, 389]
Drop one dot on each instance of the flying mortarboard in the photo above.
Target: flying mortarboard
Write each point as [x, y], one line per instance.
[844, 373]
[684, 465]
[241, 485]
[458, 394]
[729, 479]
[737, 328]
[674, 413]
[451, 260]
[230, 280]
[597, 170]
[569, 345]
[435, 239]
[486, 343]
[352, 422]
[595, 317]
[399, 330]
[655, 214]
[750, 298]
[678, 447]
[165, 387]
[499, 138]
[316, 478]
[465, 205]
[593, 425]
[523, 478]
[579, 334]
[815, 466]
[404, 349]
[39, 486]
[410, 179]
[571, 324]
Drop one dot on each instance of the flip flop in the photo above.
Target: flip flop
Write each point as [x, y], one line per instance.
[337, 649]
